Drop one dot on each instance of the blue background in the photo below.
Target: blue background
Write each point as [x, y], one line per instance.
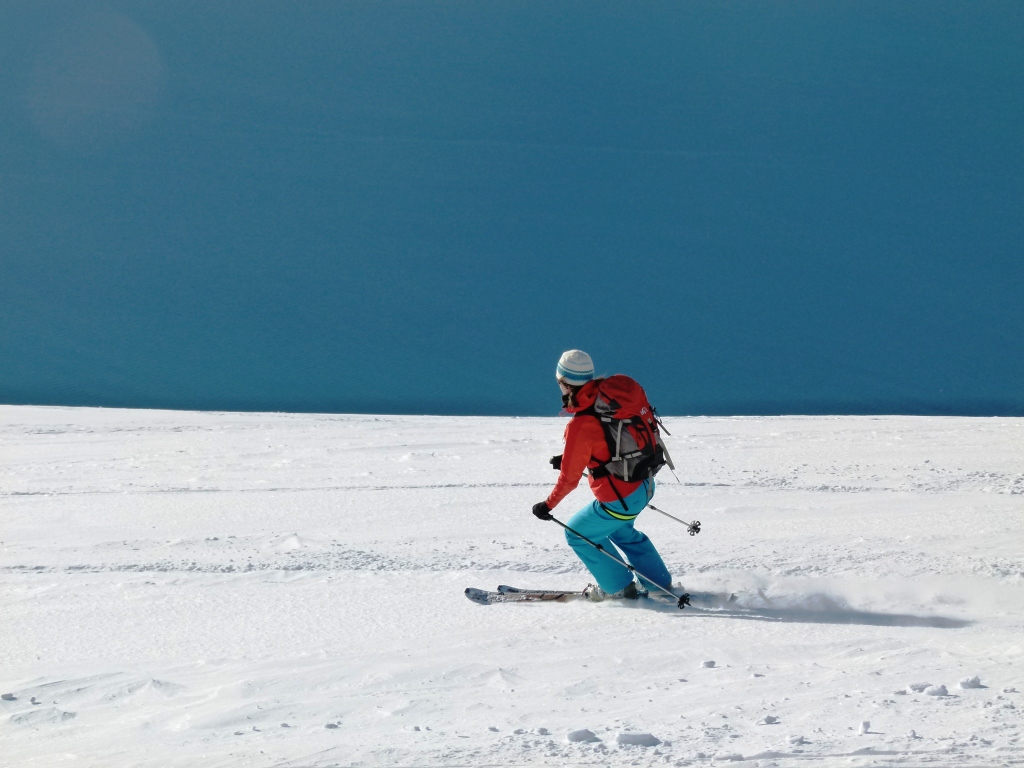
[752, 207]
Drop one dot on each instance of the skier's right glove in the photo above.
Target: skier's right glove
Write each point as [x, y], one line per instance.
[542, 511]
[556, 461]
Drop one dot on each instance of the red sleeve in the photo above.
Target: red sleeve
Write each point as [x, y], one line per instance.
[579, 437]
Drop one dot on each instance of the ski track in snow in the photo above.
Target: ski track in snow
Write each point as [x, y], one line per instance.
[224, 589]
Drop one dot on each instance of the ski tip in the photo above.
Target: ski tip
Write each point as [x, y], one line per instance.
[478, 596]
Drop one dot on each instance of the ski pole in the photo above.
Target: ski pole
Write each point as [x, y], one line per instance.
[683, 600]
[693, 528]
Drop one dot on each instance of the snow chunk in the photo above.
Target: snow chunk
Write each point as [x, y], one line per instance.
[970, 682]
[638, 739]
[865, 727]
[581, 735]
[936, 690]
[768, 720]
[918, 687]
[9, 697]
[797, 740]
[707, 664]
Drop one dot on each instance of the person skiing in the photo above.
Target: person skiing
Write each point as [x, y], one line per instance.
[608, 520]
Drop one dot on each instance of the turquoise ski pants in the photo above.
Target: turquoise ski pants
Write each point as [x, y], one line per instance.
[620, 538]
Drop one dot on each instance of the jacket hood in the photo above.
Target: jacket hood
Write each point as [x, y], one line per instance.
[585, 397]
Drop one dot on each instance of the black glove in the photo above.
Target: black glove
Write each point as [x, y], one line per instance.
[542, 510]
[556, 461]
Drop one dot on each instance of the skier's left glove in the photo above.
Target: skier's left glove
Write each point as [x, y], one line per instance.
[542, 510]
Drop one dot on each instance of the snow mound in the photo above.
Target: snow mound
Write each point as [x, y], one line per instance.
[290, 543]
[638, 739]
[582, 735]
[936, 690]
[918, 687]
[141, 689]
[37, 717]
[971, 682]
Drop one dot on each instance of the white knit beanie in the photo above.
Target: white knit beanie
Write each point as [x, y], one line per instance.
[575, 367]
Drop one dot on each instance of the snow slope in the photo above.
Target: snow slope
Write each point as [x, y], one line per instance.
[219, 589]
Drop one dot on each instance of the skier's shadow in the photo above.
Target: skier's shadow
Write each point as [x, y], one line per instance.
[827, 612]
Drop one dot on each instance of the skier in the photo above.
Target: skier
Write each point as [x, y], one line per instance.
[608, 520]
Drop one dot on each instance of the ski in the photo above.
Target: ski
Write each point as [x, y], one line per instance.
[705, 599]
[505, 589]
[510, 594]
[483, 597]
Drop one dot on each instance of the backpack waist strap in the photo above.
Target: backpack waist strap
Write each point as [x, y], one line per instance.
[618, 515]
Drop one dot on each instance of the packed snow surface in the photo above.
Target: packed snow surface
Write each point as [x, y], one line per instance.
[220, 589]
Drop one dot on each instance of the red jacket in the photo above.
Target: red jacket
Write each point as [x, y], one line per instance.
[586, 447]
